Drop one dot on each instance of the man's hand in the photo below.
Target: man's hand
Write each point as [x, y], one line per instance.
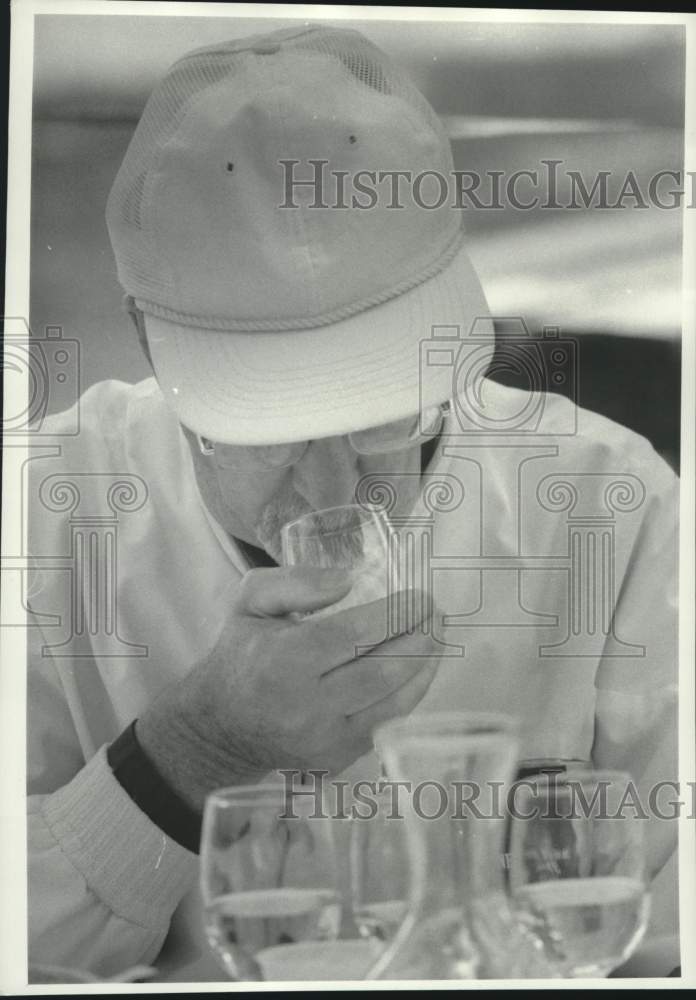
[280, 693]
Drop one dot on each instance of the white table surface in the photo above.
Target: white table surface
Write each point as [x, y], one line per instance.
[656, 957]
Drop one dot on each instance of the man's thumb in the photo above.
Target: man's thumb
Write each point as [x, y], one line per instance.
[269, 593]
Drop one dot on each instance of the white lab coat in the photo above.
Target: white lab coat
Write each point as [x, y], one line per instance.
[588, 678]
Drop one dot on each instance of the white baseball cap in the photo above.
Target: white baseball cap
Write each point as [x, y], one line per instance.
[269, 320]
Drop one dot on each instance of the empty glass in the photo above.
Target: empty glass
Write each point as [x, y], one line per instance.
[379, 872]
[355, 538]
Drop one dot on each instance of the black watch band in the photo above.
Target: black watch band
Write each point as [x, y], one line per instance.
[151, 793]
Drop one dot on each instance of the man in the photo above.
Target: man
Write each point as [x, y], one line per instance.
[285, 336]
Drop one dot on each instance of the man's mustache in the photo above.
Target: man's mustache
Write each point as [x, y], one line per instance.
[284, 506]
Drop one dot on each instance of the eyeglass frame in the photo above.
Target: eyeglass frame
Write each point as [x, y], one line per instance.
[207, 447]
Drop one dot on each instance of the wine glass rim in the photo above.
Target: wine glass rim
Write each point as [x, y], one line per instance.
[369, 509]
[444, 725]
[584, 776]
[561, 790]
[238, 794]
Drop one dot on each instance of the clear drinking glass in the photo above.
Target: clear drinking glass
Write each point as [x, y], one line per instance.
[379, 872]
[577, 868]
[352, 537]
[269, 884]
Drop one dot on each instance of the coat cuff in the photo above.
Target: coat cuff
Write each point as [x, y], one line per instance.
[129, 863]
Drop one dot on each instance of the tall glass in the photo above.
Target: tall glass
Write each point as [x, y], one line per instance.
[269, 884]
[379, 872]
[577, 867]
[458, 766]
[355, 538]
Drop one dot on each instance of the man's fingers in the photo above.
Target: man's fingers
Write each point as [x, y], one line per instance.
[343, 636]
[269, 593]
[361, 683]
[401, 702]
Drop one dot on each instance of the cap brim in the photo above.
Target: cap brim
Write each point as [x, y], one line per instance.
[267, 388]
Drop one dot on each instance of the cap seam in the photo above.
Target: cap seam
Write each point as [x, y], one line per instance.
[302, 234]
[324, 319]
[252, 42]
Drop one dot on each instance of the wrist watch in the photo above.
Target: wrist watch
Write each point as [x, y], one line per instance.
[136, 774]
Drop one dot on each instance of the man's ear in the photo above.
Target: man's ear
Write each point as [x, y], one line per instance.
[139, 323]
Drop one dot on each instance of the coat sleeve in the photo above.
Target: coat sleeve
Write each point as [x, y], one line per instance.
[636, 714]
[103, 879]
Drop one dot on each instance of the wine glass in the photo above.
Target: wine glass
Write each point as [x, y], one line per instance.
[352, 537]
[577, 869]
[379, 872]
[269, 884]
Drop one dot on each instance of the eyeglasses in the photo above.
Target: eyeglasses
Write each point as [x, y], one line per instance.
[395, 436]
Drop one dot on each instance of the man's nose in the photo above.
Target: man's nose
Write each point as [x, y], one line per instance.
[327, 473]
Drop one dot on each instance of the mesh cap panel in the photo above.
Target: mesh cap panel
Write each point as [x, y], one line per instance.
[136, 255]
[367, 64]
